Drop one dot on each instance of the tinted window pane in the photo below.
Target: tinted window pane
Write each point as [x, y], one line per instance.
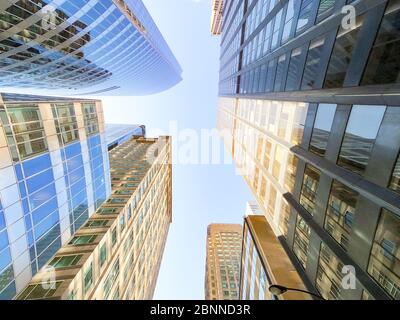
[309, 189]
[312, 67]
[340, 212]
[384, 262]
[295, 67]
[360, 136]
[341, 56]
[384, 63]
[280, 76]
[322, 128]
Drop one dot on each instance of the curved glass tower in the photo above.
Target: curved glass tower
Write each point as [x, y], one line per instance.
[83, 47]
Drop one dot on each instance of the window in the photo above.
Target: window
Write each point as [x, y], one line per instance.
[114, 236]
[340, 212]
[295, 69]
[88, 277]
[304, 16]
[384, 65]
[65, 122]
[83, 240]
[122, 222]
[322, 128]
[103, 254]
[329, 274]
[309, 189]
[96, 224]
[342, 56]
[65, 261]
[361, 132]
[301, 241]
[385, 254]
[324, 7]
[288, 21]
[280, 74]
[38, 291]
[313, 64]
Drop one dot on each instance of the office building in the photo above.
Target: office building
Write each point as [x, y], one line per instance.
[83, 47]
[224, 243]
[117, 134]
[265, 262]
[54, 173]
[216, 19]
[310, 108]
[117, 252]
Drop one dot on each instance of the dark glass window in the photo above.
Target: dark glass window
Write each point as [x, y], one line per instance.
[309, 189]
[384, 63]
[280, 75]
[385, 255]
[342, 55]
[313, 64]
[295, 68]
[340, 212]
[322, 128]
[361, 132]
[271, 75]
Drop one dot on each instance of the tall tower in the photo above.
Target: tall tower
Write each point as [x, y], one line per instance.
[309, 109]
[54, 173]
[118, 251]
[86, 48]
[224, 243]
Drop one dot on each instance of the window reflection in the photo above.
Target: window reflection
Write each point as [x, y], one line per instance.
[322, 128]
[384, 63]
[329, 274]
[362, 130]
[342, 55]
[340, 213]
[313, 63]
[301, 241]
[384, 264]
[309, 189]
[295, 68]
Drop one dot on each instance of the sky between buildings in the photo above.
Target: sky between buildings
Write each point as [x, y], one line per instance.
[202, 194]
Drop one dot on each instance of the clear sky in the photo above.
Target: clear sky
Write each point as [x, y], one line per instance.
[202, 194]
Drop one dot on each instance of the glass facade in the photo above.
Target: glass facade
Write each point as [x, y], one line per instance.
[84, 47]
[49, 185]
[308, 108]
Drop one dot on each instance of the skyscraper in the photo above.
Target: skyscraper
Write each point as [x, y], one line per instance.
[117, 134]
[224, 242]
[85, 47]
[117, 253]
[309, 109]
[54, 173]
[264, 261]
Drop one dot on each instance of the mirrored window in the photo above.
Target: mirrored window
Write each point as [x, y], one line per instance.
[342, 55]
[322, 128]
[361, 132]
[310, 187]
[385, 255]
[313, 63]
[384, 63]
[340, 213]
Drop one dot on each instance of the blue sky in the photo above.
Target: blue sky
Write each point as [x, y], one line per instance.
[202, 194]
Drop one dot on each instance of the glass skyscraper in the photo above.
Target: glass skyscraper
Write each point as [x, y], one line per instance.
[310, 109]
[55, 173]
[83, 47]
